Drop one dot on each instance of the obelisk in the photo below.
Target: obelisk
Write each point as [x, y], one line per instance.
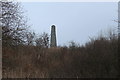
[53, 42]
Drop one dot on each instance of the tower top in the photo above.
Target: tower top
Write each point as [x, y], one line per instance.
[53, 26]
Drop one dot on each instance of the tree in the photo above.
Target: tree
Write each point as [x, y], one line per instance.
[73, 44]
[43, 40]
[30, 36]
[13, 23]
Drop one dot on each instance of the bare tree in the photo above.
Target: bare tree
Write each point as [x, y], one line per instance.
[13, 23]
[43, 40]
[73, 44]
[30, 36]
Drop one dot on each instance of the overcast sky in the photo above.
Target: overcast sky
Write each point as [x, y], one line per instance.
[74, 21]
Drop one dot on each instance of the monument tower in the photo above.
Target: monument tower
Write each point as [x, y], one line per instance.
[53, 42]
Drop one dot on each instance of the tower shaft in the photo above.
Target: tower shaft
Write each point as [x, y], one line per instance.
[53, 37]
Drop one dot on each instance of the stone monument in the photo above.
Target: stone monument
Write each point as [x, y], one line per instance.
[53, 42]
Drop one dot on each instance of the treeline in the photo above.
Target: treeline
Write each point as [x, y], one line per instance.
[25, 55]
[15, 30]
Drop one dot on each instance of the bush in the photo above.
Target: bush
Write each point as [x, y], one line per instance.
[97, 59]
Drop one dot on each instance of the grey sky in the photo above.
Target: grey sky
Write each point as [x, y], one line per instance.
[75, 21]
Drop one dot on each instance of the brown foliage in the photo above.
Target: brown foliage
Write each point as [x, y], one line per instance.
[97, 58]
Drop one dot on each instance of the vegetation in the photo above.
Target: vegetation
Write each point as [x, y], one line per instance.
[25, 55]
[98, 58]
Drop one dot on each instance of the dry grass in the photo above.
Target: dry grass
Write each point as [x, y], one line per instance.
[97, 58]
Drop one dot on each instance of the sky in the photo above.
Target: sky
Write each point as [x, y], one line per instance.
[74, 21]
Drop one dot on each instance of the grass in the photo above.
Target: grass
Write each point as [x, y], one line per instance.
[97, 59]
